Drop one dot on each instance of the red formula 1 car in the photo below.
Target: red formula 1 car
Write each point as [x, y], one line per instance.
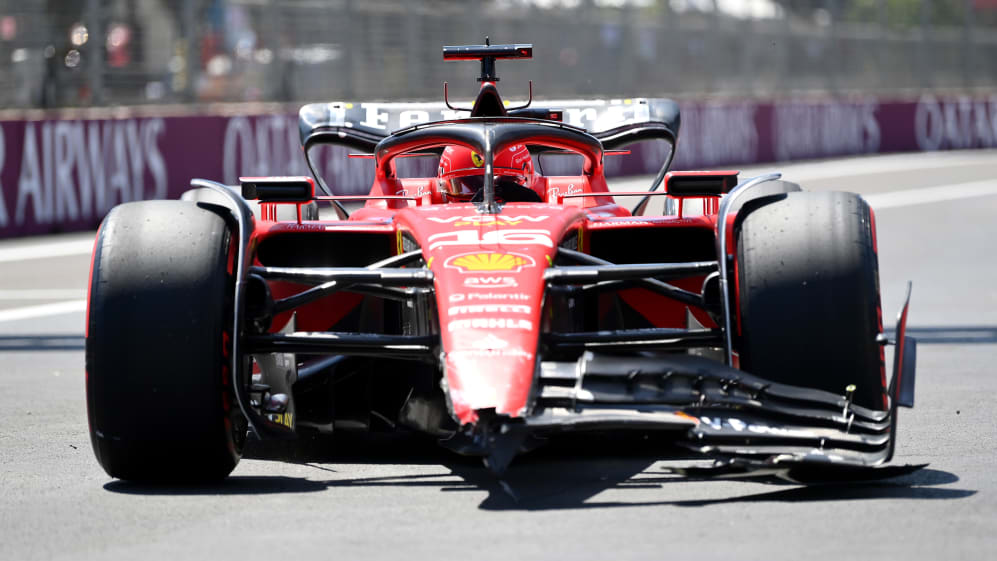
[493, 304]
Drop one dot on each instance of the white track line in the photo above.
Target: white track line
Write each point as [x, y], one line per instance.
[941, 193]
[46, 250]
[888, 199]
[43, 310]
[800, 172]
[42, 294]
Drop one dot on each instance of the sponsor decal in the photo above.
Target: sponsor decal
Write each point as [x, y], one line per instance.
[490, 323]
[303, 227]
[804, 129]
[487, 220]
[489, 309]
[554, 193]
[490, 342]
[520, 158]
[69, 173]
[491, 220]
[476, 159]
[286, 419]
[61, 172]
[460, 297]
[419, 192]
[602, 214]
[595, 115]
[620, 222]
[268, 145]
[490, 282]
[492, 237]
[737, 139]
[960, 122]
[491, 261]
[490, 353]
[718, 423]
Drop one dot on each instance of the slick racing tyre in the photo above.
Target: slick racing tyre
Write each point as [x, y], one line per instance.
[808, 294]
[159, 395]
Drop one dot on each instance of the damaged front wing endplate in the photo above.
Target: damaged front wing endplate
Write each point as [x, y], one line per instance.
[751, 426]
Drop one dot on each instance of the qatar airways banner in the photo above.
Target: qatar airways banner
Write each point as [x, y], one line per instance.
[60, 175]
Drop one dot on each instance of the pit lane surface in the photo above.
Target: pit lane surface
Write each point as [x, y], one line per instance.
[583, 499]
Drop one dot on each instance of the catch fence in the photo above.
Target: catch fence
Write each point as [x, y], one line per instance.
[57, 53]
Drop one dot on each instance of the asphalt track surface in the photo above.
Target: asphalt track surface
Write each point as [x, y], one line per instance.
[591, 498]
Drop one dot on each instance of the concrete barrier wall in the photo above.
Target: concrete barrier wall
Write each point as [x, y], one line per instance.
[60, 175]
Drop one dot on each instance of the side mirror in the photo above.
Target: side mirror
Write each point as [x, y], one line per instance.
[700, 183]
[278, 189]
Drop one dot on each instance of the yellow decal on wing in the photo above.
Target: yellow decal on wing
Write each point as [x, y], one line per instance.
[492, 262]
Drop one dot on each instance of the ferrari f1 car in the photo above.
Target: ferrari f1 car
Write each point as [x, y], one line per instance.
[491, 304]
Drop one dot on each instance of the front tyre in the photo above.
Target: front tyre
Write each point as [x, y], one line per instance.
[159, 389]
[808, 295]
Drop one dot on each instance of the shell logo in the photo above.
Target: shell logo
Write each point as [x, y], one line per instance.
[493, 262]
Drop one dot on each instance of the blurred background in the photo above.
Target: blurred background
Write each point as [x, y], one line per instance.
[109, 101]
[68, 53]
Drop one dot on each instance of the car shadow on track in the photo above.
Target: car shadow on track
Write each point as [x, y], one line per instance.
[568, 474]
[566, 483]
[235, 485]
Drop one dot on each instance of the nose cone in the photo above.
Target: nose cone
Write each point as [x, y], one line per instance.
[490, 303]
[489, 271]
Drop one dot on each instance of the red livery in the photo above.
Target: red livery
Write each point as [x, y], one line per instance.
[491, 291]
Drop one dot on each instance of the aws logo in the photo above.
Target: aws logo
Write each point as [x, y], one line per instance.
[491, 262]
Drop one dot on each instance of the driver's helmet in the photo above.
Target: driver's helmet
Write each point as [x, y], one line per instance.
[462, 173]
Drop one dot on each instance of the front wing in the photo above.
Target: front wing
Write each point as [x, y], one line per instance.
[751, 426]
